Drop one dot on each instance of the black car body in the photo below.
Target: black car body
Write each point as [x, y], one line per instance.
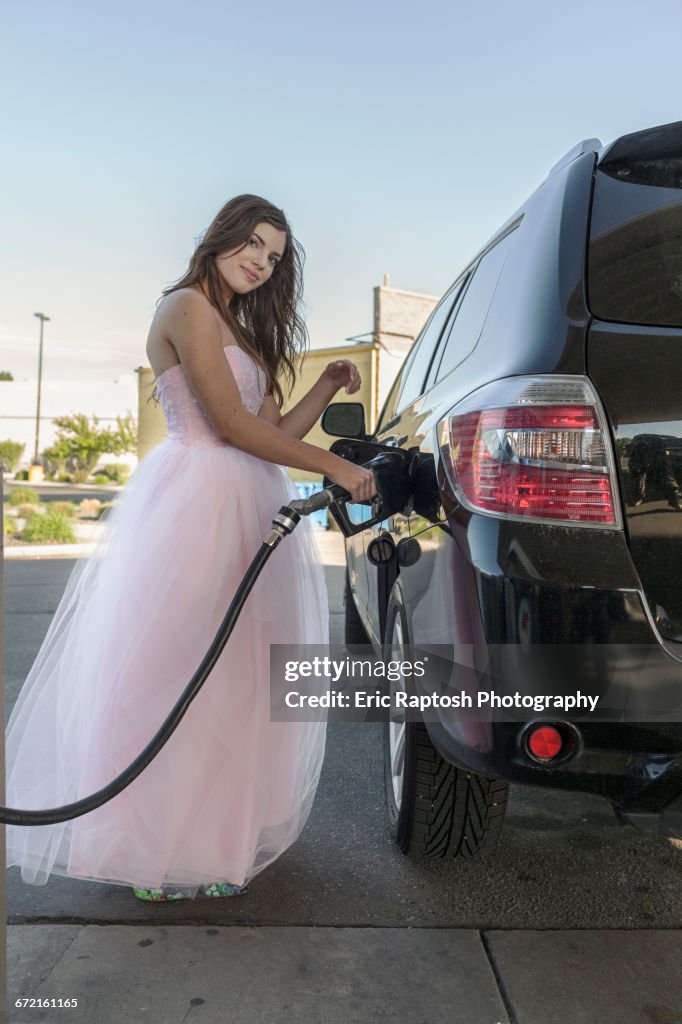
[544, 396]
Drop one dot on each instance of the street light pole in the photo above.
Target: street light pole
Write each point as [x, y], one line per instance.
[42, 318]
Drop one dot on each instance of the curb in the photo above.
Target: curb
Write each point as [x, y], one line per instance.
[53, 483]
[329, 542]
[50, 551]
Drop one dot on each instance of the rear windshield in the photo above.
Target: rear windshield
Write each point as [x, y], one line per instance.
[634, 268]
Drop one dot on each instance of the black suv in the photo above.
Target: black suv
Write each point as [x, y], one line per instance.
[540, 412]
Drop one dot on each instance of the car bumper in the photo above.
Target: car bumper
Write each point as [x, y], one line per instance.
[572, 597]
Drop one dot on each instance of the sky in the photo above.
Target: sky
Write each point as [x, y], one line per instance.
[397, 138]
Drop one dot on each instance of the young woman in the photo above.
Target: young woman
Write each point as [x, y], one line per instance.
[231, 790]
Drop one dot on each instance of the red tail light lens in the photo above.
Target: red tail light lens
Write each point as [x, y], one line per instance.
[531, 456]
[544, 743]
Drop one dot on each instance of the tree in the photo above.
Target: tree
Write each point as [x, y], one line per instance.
[125, 435]
[81, 443]
[10, 453]
[623, 446]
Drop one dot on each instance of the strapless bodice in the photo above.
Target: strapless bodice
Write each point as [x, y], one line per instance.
[185, 418]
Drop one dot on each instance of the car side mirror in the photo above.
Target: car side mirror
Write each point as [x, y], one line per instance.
[344, 419]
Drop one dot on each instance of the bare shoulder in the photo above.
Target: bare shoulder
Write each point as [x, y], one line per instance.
[184, 303]
[189, 322]
[188, 312]
[179, 315]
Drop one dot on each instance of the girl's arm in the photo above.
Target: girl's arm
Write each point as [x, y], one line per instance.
[305, 414]
[190, 325]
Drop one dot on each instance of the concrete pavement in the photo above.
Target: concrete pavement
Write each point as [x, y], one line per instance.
[159, 968]
[239, 975]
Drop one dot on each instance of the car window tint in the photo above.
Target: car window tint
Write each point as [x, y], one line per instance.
[422, 351]
[465, 328]
[460, 290]
[634, 264]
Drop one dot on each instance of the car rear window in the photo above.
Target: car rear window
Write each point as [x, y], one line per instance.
[634, 267]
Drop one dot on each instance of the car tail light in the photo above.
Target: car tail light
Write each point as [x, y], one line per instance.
[532, 447]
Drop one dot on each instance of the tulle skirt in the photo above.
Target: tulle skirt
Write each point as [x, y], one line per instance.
[231, 790]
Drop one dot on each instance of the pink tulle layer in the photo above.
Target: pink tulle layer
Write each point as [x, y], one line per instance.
[231, 790]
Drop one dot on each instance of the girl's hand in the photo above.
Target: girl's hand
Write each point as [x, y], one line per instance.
[357, 480]
[344, 374]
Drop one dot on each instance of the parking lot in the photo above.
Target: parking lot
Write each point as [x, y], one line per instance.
[566, 890]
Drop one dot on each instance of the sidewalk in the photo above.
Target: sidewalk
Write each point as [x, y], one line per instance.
[243, 975]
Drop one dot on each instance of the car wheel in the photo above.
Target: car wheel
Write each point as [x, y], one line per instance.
[355, 632]
[435, 809]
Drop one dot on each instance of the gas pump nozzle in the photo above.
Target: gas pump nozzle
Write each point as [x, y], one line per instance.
[321, 499]
[394, 485]
[394, 473]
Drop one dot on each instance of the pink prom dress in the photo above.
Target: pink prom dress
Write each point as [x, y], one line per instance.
[231, 790]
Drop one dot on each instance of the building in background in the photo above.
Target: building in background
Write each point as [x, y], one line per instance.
[398, 318]
[151, 423]
[379, 354]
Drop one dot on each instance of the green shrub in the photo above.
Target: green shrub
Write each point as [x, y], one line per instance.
[81, 476]
[65, 478]
[100, 478]
[52, 527]
[118, 472]
[104, 507]
[67, 507]
[10, 453]
[21, 475]
[29, 510]
[22, 495]
[89, 508]
[9, 525]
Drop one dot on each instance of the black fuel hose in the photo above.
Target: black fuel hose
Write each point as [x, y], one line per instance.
[283, 524]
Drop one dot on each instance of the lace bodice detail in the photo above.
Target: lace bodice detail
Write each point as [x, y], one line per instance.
[185, 418]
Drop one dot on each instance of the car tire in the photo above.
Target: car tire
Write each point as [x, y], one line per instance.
[435, 809]
[355, 632]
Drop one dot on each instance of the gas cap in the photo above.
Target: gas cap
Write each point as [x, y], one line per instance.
[409, 551]
[381, 550]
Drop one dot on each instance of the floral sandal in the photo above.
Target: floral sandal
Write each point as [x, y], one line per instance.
[164, 895]
[223, 889]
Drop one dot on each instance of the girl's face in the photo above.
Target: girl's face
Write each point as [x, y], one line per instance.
[247, 268]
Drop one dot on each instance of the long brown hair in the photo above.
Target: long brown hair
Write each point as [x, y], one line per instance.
[266, 321]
